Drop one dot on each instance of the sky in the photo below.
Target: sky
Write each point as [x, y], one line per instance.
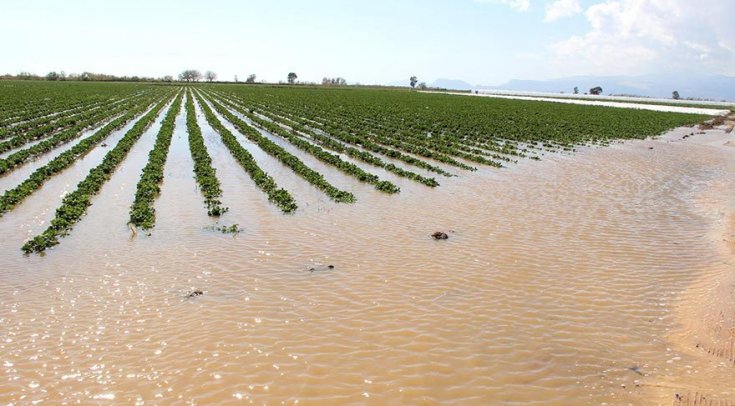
[370, 41]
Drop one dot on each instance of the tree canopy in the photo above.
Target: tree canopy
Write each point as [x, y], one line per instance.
[190, 75]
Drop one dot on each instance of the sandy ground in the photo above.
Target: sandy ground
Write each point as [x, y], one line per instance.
[706, 311]
[627, 105]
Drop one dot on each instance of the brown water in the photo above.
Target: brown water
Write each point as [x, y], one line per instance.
[574, 280]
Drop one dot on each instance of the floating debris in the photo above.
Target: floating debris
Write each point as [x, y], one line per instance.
[636, 369]
[233, 229]
[439, 235]
[321, 268]
[194, 293]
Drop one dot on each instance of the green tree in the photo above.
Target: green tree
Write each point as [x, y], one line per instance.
[292, 77]
[413, 81]
[190, 75]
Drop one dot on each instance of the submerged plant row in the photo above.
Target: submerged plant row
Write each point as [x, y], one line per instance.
[340, 147]
[313, 149]
[385, 139]
[21, 156]
[142, 212]
[205, 174]
[461, 132]
[286, 158]
[340, 143]
[75, 204]
[11, 198]
[280, 197]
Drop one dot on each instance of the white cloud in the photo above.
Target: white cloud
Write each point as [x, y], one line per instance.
[518, 5]
[562, 8]
[643, 36]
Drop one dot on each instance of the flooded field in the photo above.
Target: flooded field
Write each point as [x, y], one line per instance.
[602, 276]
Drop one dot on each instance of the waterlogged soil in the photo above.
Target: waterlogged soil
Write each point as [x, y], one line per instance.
[590, 278]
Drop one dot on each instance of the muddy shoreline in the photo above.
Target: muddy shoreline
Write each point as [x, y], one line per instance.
[705, 311]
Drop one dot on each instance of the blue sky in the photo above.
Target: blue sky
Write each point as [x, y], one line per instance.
[377, 41]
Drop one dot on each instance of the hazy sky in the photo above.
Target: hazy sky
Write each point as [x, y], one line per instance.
[370, 41]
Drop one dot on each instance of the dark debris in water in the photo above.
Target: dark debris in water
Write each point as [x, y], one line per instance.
[233, 229]
[321, 268]
[636, 369]
[194, 293]
[439, 235]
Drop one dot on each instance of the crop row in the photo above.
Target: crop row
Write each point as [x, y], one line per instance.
[437, 121]
[439, 134]
[205, 174]
[339, 147]
[332, 159]
[74, 205]
[342, 148]
[25, 101]
[81, 120]
[11, 198]
[388, 146]
[16, 159]
[29, 113]
[444, 142]
[273, 149]
[403, 142]
[29, 125]
[427, 144]
[142, 212]
[47, 117]
[363, 142]
[265, 182]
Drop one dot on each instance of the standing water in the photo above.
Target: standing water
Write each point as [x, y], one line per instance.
[598, 277]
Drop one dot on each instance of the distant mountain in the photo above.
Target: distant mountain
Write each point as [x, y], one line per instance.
[695, 86]
[452, 84]
[712, 87]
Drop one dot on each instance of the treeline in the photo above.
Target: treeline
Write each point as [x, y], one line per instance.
[84, 77]
[189, 76]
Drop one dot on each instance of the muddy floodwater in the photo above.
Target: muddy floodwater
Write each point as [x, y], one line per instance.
[587, 278]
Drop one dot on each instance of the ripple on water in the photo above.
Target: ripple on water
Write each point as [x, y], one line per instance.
[553, 284]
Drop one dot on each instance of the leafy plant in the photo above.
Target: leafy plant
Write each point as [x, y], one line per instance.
[142, 212]
[334, 160]
[266, 183]
[11, 198]
[74, 205]
[204, 173]
[273, 149]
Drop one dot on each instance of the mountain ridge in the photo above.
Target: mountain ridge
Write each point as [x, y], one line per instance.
[709, 87]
